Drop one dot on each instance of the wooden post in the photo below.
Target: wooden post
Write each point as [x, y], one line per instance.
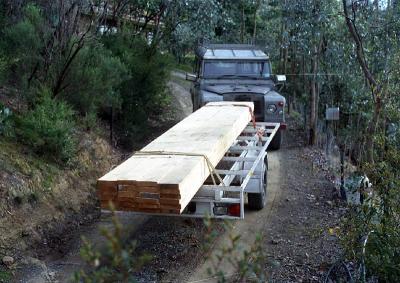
[342, 190]
[327, 137]
[111, 125]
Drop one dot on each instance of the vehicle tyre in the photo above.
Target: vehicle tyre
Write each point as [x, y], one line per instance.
[257, 201]
[193, 105]
[276, 141]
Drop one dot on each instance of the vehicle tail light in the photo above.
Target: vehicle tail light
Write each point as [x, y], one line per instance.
[234, 210]
[281, 103]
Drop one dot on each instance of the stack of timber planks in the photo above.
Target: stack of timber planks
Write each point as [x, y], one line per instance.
[165, 175]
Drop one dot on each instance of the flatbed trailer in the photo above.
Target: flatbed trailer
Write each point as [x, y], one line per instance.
[243, 172]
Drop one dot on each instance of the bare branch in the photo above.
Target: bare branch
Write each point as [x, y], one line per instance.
[375, 86]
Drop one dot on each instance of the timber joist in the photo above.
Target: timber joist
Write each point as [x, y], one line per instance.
[164, 176]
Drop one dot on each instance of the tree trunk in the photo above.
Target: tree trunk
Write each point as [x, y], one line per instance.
[373, 83]
[285, 59]
[282, 43]
[111, 125]
[372, 129]
[314, 99]
[255, 21]
[293, 70]
[242, 25]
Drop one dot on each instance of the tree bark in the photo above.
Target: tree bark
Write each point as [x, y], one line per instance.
[255, 21]
[314, 99]
[374, 85]
[293, 71]
[242, 25]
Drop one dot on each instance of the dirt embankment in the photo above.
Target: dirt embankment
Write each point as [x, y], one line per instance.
[40, 201]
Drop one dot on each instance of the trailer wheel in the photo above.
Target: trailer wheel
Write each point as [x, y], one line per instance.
[276, 141]
[257, 201]
[193, 106]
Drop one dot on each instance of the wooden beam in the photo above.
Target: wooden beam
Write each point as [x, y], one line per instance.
[167, 173]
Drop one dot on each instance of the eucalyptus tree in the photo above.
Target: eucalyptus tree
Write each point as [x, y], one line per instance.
[190, 22]
[303, 40]
[373, 30]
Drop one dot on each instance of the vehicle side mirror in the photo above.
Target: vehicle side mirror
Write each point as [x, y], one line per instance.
[191, 77]
[280, 79]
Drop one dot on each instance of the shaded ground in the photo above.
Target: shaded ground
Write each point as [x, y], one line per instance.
[300, 240]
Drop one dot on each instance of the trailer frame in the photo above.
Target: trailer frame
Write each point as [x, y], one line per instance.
[247, 163]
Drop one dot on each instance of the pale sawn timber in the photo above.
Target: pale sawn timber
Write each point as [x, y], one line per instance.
[167, 183]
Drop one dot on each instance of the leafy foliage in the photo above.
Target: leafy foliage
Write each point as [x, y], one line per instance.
[49, 129]
[94, 79]
[378, 217]
[20, 44]
[116, 264]
[114, 75]
[249, 263]
[143, 92]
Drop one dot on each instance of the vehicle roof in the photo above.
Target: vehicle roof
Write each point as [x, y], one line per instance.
[230, 51]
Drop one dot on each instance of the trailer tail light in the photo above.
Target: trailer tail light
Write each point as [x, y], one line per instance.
[281, 103]
[234, 210]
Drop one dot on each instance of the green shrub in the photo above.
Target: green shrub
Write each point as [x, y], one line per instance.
[20, 44]
[89, 121]
[116, 263]
[143, 92]
[248, 263]
[378, 217]
[3, 68]
[48, 129]
[94, 80]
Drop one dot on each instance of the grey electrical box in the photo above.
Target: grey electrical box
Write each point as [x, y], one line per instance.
[332, 113]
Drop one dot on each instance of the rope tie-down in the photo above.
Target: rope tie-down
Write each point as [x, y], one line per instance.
[211, 168]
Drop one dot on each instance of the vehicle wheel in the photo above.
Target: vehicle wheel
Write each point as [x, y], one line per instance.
[193, 105]
[257, 201]
[276, 141]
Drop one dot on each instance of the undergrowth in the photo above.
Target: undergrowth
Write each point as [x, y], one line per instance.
[119, 261]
